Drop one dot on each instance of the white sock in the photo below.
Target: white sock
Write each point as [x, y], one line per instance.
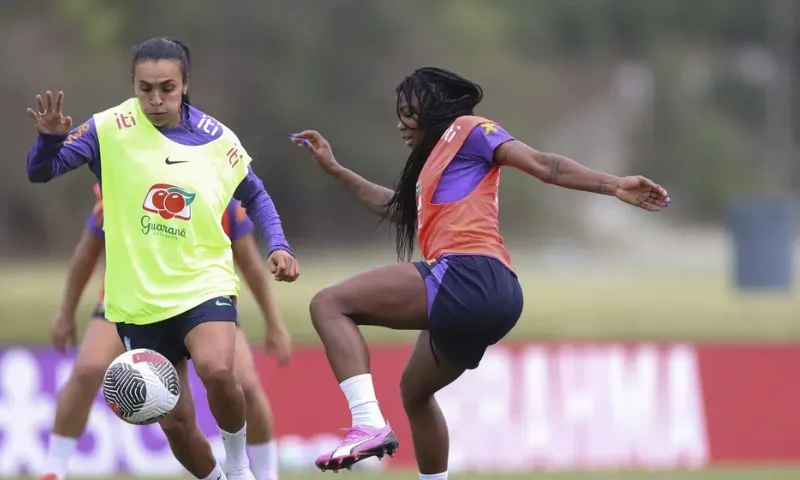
[360, 395]
[216, 474]
[59, 452]
[264, 460]
[236, 460]
[433, 476]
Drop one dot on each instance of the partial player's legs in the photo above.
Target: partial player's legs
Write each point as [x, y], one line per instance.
[426, 373]
[465, 302]
[392, 296]
[210, 339]
[207, 334]
[260, 444]
[100, 346]
[187, 442]
[474, 301]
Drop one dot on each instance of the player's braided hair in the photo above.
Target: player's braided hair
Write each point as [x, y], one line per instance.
[441, 96]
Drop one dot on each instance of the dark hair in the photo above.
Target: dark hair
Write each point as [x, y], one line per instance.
[442, 97]
[162, 48]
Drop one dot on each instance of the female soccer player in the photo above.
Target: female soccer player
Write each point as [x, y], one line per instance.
[101, 345]
[167, 173]
[464, 296]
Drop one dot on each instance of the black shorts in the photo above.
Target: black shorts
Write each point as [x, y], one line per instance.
[166, 337]
[473, 302]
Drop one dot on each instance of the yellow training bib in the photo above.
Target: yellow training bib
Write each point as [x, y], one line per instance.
[166, 251]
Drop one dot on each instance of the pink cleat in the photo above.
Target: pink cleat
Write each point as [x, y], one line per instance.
[359, 443]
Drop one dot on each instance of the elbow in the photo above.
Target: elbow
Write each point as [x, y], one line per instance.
[38, 176]
[544, 175]
[548, 179]
[38, 172]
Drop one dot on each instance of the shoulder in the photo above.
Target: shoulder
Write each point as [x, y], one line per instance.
[233, 208]
[210, 127]
[127, 107]
[225, 138]
[486, 130]
[238, 212]
[240, 223]
[484, 138]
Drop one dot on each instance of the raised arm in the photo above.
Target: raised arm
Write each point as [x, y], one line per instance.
[58, 150]
[564, 172]
[373, 196]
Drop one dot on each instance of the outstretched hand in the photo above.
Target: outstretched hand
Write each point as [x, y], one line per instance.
[49, 118]
[643, 193]
[319, 147]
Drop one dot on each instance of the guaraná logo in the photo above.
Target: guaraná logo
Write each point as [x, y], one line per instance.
[169, 201]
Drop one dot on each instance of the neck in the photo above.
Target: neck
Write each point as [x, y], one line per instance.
[176, 120]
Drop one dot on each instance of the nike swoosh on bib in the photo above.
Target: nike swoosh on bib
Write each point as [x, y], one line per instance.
[173, 162]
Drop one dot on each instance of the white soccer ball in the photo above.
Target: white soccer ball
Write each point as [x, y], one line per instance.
[141, 386]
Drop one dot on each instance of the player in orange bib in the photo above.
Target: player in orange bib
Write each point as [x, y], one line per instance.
[464, 296]
[101, 344]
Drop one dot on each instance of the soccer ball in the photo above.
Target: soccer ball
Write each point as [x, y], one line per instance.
[141, 386]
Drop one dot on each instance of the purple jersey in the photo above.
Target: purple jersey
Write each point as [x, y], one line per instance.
[470, 165]
[55, 155]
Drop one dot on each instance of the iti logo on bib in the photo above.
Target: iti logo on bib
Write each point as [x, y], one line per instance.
[169, 201]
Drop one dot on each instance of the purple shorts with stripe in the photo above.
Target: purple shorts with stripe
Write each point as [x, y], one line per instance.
[473, 302]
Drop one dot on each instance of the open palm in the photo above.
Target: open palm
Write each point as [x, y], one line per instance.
[49, 118]
[643, 193]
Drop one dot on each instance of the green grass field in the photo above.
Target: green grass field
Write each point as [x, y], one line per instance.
[593, 306]
[574, 306]
[700, 475]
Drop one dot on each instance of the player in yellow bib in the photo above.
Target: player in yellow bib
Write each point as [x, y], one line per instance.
[168, 173]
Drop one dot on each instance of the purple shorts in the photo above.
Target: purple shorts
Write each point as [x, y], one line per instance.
[473, 302]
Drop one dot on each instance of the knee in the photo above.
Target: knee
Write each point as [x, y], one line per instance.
[251, 387]
[411, 392]
[322, 304]
[88, 375]
[178, 424]
[215, 372]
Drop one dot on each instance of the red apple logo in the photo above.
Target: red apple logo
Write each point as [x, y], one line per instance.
[169, 201]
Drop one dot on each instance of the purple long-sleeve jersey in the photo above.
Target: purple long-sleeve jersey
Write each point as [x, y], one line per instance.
[54, 155]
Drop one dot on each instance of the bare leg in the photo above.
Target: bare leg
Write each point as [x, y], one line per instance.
[393, 296]
[212, 346]
[260, 444]
[422, 378]
[100, 346]
[187, 442]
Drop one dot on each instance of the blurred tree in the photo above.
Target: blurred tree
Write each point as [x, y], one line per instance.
[272, 67]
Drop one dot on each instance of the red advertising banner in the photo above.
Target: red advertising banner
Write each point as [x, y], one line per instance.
[571, 406]
[752, 395]
[574, 406]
